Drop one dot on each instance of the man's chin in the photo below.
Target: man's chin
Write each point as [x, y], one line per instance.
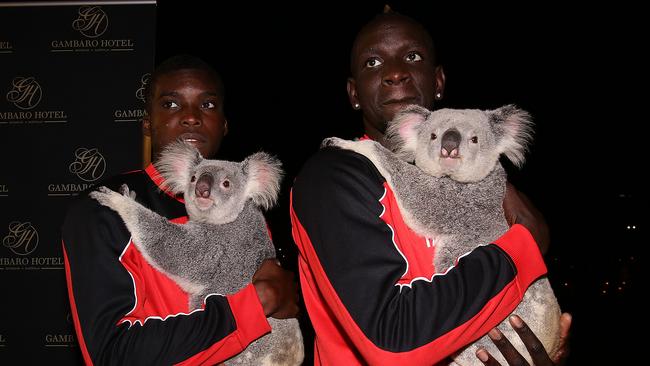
[390, 110]
[197, 144]
[201, 146]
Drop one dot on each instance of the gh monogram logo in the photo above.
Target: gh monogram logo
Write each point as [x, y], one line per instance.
[25, 92]
[144, 80]
[22, 238]
[89, 164]
[92, 21]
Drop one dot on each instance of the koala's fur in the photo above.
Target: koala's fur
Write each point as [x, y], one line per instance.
[454, 195]
[225, 240]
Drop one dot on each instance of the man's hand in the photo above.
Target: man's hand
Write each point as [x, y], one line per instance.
[560, 357]
[519, 210]
[535, 348]
[277, 290]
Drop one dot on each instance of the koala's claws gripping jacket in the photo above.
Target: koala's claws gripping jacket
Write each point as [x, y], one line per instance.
[368, 280]
[125, 312]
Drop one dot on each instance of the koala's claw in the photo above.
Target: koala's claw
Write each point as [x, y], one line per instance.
[106, 197]
[124, 189]
[326, 142]
[331, 141]
[103, 189]
[101, 195]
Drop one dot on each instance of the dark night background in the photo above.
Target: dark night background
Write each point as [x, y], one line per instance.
[580, 72]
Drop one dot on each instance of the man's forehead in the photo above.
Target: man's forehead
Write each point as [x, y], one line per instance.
[381, 31]
[393, 23]
[179, 79]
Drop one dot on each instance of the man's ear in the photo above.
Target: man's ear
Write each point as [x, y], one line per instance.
[352, 92]
[146, 141]
[440, 82]
[225, 127]
[146, 126]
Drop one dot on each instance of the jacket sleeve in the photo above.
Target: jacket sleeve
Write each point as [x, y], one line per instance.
[348, 252]
[102, 292]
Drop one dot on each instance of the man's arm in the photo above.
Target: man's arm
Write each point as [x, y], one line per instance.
[104, 294]
[276, 289]
[351, 254]
[520, 210]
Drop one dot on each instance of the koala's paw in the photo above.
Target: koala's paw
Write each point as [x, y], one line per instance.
[124, 189]
[106, 197]
[332, 141]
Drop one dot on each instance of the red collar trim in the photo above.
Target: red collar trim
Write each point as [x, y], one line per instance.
[155, 176]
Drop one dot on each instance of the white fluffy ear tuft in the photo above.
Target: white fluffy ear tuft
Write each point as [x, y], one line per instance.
[402, 131]
[176, 163]
[264, 176]
[513, 129]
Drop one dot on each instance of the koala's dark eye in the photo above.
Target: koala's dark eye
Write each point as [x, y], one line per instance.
[193, 179]
[434, 136]
[225, 184]
[474, 139]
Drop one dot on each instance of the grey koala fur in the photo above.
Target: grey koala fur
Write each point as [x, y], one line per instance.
[224, 241]
[454, 195]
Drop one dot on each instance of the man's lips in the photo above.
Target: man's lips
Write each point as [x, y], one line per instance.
[401, 100]
[192, 137]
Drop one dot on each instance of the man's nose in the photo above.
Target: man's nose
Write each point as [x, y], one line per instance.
[396, 76]
[192, 117]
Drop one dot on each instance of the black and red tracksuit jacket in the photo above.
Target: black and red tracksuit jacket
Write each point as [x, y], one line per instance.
[125, 311]
[368, 281]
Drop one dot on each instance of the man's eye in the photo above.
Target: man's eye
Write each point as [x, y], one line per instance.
[413, 57]
[209, 105]
[170, 104]
[373, 62]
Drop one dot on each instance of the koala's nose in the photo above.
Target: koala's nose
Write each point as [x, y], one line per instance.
[204, 185]
[450, 143]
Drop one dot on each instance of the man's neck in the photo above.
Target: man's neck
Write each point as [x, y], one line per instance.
[372, 132]
[375, 135]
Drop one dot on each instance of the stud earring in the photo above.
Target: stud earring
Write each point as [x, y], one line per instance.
[357, 106]
[438, 95]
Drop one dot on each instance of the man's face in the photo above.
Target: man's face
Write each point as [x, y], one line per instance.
[186, 104]
[393, 65]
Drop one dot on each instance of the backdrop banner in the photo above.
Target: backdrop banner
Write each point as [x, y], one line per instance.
[71, 101]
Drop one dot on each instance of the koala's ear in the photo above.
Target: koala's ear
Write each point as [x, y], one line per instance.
[402, 131]
[513, 130]
[264, 174]
[176, 163]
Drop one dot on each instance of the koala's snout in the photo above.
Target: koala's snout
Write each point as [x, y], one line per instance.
[204, 185]
[450, 143]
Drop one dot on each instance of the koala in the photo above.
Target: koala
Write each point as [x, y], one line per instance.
[224, 241]
[456, 168]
